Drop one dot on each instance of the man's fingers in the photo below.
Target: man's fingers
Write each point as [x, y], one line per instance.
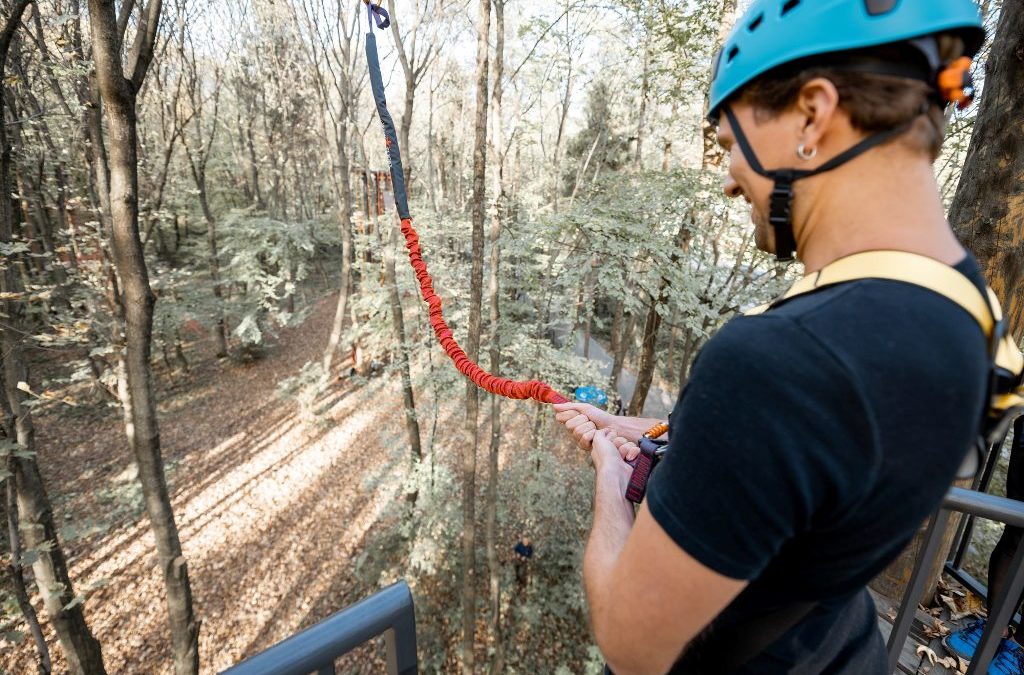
[577, 421]
[571, 405]
[588, 437]
[566, 415]
[584, 429]
[626, 448]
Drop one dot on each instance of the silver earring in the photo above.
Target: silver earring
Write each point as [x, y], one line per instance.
[805, 154]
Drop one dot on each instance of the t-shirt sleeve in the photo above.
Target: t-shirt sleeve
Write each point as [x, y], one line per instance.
[770, 436]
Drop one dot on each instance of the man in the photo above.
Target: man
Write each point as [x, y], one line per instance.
[523, 551]
[812, 439]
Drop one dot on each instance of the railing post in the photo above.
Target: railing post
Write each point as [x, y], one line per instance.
[905, 618]
[400, 643]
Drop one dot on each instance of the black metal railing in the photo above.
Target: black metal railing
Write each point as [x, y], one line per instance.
[965, 532]
[315, 649]
[974, 504]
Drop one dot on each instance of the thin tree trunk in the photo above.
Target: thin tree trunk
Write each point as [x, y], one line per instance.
[713, 154]
[17, 575]
[118, 92]
[497, 664]
[473, 344]
[645, 371]
[988, 208]
[670, 358]
[412, 425]
[199, 174]
[344, 191]
[638, 159]
[648, 356]
[622, 345]
[81, 649]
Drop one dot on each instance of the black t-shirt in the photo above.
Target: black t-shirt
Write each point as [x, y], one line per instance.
[807, 448]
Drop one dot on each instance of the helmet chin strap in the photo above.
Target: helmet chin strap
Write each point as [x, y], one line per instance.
[781, 202]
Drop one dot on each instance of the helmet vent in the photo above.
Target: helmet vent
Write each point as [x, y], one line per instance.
[733, 53]
[752, 26]
[876, 7]
[789, 6]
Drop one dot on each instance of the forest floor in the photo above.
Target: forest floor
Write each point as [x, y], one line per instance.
[277, 512]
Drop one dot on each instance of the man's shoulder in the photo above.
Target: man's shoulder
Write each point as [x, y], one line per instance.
[769, 344]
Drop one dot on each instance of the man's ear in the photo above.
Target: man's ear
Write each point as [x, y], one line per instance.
[817, 104]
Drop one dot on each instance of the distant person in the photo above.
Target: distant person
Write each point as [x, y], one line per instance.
[523, 551]
[813, 438]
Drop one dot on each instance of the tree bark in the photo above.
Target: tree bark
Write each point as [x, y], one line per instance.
[412, 425]
[988, 209]
[645, 372]
[713, 154]
[473, 343]
[648, 357]
[81, 649]
[638, 159]
[622, 344]
[198, 167]
[497, 664]
[118, 91]
[17, 574]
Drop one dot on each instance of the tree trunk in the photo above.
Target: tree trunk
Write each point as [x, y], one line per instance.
[17, 574]
[412, 425]
[713, 153]
[645, 372]
[638, 159]
[81, 649]
[988, 209]
[118, 93]
[622, 344]
[497, 664]
[343, 189]
[648, 357]
[473, 344]
[199, 173]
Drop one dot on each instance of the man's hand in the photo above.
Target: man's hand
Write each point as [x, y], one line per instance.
[608, 460]
[584, 421]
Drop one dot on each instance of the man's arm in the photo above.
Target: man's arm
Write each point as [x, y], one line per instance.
[648, 597]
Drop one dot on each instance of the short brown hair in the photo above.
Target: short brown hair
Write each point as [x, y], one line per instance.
[874, 102]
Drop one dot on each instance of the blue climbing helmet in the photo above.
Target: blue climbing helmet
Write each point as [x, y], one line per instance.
[775, 32]
[839, 33]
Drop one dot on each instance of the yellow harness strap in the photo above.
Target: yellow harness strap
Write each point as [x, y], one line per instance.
[909, 268]
[1008, 362]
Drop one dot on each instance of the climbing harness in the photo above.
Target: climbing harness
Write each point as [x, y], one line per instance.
[651, 451]
[539, 391]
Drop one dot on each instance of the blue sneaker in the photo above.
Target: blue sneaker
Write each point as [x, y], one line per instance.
[1009, 658]
[963, 642]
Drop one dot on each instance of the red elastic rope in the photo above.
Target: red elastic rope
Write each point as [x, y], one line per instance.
[539, 391]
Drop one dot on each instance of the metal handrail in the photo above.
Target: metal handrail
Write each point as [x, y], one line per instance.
[315, 649]
[974, 503]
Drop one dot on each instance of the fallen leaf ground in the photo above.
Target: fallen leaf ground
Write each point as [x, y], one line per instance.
[283, 520]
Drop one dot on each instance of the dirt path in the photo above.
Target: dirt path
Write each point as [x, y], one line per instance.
[270, 509]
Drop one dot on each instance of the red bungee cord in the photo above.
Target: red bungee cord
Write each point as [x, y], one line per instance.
[534, 389]
[540, 391]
